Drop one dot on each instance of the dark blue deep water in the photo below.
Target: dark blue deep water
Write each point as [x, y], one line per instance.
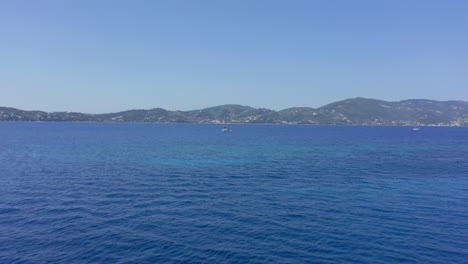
[188, 193]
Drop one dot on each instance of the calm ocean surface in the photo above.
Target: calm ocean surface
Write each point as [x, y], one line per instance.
[188, 193]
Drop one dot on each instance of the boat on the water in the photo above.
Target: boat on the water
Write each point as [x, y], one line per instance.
[416, 128]
[225, 129]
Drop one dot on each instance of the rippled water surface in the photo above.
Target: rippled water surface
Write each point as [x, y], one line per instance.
[188, 193]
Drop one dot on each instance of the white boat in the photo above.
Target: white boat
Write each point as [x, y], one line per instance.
[225, 129]
[416, 128]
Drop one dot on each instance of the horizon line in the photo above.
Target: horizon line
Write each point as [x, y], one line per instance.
[232, 104]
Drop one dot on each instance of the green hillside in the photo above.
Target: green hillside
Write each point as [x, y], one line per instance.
[356, 111]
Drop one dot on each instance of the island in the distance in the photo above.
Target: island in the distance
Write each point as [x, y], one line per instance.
[356, 111]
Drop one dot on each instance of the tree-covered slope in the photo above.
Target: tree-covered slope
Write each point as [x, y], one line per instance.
[356, 111]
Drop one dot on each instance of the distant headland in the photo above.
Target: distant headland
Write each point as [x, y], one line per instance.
[356, 111]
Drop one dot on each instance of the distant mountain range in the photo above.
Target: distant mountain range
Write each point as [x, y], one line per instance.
[356, 111]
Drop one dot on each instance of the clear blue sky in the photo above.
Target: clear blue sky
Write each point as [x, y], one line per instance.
[105, 55]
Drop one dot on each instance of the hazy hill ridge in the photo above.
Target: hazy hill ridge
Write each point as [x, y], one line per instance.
[356, 111]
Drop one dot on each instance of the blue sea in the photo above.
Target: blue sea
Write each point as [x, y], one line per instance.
[189, 193]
